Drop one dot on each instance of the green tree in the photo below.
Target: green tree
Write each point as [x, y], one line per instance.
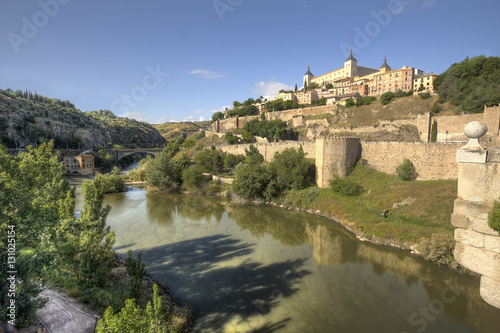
[291, 170]
[345, 187]
[329, 86]
[161, 173]
[34, 197]
[247, 137]
[85, 244]
[103, 160]
[193, 177]
[434, 131]
[217, 116]
[113, 181]
[406, 170]
[218, 164]
[133, 318]
[251, 181]
[136, 270]
[252, 156]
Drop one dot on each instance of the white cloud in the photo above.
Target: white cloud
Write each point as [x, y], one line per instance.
[271, 88]
[206, 74]
[138, 116]
[428, 3]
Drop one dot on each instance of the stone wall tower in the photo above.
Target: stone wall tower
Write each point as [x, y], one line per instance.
[350, 66]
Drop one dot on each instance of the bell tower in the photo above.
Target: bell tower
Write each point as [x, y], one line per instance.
[350, 66]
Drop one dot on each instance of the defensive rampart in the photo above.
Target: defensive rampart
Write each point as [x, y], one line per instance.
[431, 160]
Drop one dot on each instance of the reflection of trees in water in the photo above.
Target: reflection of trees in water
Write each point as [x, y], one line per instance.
[285, 226]
[163, 208]
[197, 270]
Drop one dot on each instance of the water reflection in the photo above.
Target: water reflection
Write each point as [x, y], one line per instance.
[263, 269]
[164, 209]
[218, 293]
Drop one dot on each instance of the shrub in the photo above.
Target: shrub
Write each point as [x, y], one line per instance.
[312, 193]
[494, 217]
[133, 318]
[439, 249]
[436, 107]
[406, 170]
[387, 97]
[425, 95]
[193, 177]
[345, 187]
[349, 102]
[251, 181]
[231, 139]
[188, 144]
[434, 131]
[136, 270]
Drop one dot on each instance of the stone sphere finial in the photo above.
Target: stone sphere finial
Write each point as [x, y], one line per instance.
[474, 131]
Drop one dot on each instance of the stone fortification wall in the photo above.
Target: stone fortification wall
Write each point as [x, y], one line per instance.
[269, 149]
[290, 114]
[454, 125]
[335, 156]
[431, 160]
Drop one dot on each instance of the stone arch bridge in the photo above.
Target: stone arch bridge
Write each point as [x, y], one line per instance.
[120, 153]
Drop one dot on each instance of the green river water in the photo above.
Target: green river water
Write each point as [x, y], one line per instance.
[264, 269]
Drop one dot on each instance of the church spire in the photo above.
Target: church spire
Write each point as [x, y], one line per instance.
[384, 65]
[351, 57]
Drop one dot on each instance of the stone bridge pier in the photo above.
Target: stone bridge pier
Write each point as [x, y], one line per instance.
[477, 245]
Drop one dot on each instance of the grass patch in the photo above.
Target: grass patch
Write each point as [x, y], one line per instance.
[426, 206]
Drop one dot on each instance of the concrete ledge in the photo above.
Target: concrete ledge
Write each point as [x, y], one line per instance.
[481, 261]
[469, 237]
[490, 291]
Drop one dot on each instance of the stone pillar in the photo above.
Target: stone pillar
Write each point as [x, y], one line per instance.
[477, 245]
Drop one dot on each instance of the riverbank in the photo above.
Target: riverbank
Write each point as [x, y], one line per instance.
[411, 215]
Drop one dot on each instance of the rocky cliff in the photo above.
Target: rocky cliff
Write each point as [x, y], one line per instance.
[29, 119]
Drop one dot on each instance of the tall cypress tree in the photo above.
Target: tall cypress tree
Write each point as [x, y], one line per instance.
[434, 131]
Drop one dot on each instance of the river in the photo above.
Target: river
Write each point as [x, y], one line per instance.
[264, 269]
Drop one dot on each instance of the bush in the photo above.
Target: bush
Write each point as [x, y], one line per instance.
[312, 193]
[367, 100]
[436, 107]
[113, 182]
[251, 181]
[291, 169]
[425, 95]
[349, 102]
[346, 187]
[231, 139]
[188, 144]
[387, 97]
[494, 217]
[136, 270]
[439, 249]
[193, 177]
[434, 131]
[406, 170]
[133, 318]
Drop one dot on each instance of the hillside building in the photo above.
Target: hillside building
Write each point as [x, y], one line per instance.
[352, 80]
[79, 165]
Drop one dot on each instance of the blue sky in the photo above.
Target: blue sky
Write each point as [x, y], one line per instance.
[166, 60]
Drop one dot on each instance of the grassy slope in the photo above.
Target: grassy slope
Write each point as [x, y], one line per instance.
[429, 213]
